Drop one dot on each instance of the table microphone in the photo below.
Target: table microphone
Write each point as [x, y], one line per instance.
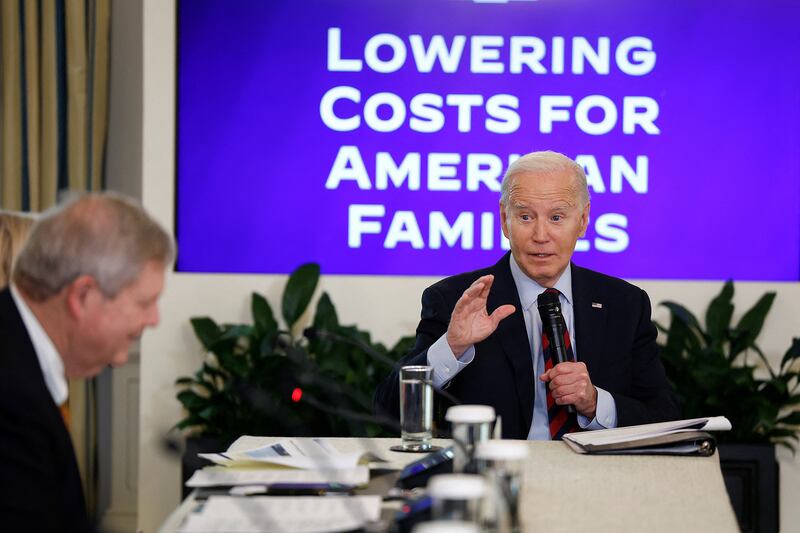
[312, 333]
[553, 325]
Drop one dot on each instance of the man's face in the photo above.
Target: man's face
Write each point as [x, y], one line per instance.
[107, 326]
[543, 221]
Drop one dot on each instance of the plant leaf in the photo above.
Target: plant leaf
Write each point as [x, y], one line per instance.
[402, 347]
[236, 364]
[764, 360]
[792, 419]
[189, 421]
[214, 372]
[680, 336]
[787, 445]
[784, 433]
[325, 317]
[718, 315]
[748, 328]
[236, 331]
[262, 315]
[683, 319]
[191, 400]
[680, 312]
[792, 354]
[298, 292]
[206, 330]
[793, 400]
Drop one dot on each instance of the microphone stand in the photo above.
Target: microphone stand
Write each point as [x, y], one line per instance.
[317, 333]
[314, 333]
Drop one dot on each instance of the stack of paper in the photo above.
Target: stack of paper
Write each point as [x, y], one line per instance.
[278, 514]
[216, 477]
[301, 461]
[680, 437]
[294, 453]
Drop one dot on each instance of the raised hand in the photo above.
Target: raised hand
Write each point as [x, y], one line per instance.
[470, 322]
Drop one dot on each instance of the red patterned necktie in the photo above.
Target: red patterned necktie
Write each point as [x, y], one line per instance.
[560, 419]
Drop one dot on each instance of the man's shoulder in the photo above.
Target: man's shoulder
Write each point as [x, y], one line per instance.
[597, 281]
[15, 348]
[10, 320]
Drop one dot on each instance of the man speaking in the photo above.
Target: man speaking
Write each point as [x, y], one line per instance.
[482, 331]
[84, 287]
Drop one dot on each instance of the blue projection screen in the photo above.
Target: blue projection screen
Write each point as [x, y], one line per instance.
[372, 136]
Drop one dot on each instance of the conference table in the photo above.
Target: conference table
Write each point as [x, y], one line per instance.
[563, 491]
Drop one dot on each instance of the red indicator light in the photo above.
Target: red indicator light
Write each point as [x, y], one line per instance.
[297, 393]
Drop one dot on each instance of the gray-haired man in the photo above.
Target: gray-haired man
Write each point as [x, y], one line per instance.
[482, 333]
[84, 288]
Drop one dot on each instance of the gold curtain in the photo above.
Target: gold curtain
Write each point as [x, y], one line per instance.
[54, 114]
[53, 125]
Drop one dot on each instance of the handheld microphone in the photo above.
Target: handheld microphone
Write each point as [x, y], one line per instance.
[553, 326]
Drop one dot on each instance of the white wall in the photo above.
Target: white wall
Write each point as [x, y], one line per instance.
[388, 307]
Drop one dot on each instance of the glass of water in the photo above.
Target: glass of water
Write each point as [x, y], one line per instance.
[416, 408]
[471, 424]
[456, 496]
[502, 463]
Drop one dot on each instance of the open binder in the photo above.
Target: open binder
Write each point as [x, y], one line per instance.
[680, 437]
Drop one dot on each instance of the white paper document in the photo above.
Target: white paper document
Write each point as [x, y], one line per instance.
[215, 476]
[278, 514]
[644, 431]
[314, 454]
[678, 437]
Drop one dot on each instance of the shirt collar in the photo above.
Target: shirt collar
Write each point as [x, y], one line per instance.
[46, 352]
[529, 290]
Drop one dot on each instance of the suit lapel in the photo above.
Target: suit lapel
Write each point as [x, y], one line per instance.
[513, 335]
[18, 348]
[590, 320]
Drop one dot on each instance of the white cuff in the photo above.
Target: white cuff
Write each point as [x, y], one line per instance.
[444, 362]
[606, 414]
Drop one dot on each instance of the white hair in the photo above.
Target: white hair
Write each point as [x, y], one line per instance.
[546, 162]
[104, 235]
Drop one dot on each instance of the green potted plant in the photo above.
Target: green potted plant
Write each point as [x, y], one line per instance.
[263, 379]
[719, 369]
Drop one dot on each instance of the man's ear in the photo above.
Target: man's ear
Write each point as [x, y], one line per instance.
[81, 295]
[585, 219]
[503, 220]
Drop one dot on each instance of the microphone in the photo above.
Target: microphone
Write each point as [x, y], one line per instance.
[553, 326]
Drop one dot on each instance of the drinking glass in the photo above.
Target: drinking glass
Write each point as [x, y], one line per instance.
[501, 462]
[456, 496]
[416, 409]
[471, 424]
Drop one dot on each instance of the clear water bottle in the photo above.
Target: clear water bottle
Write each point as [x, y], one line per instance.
[502, 464]
[446, 526]
[456, 496]
[471, 424]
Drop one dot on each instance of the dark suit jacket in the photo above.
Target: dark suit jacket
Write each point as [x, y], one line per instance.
[40, 488]
[617, 342]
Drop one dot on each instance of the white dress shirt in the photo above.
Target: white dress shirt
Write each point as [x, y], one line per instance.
[446, 365]
[49, 360]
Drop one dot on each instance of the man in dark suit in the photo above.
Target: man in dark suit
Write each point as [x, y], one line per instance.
[84, 287]
[482, 333]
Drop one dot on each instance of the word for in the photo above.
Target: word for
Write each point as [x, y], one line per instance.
[426, 112]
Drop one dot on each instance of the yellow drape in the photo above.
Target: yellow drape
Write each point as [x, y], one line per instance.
[53, 126]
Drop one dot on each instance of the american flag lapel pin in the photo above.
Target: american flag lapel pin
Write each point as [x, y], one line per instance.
[597, 305]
